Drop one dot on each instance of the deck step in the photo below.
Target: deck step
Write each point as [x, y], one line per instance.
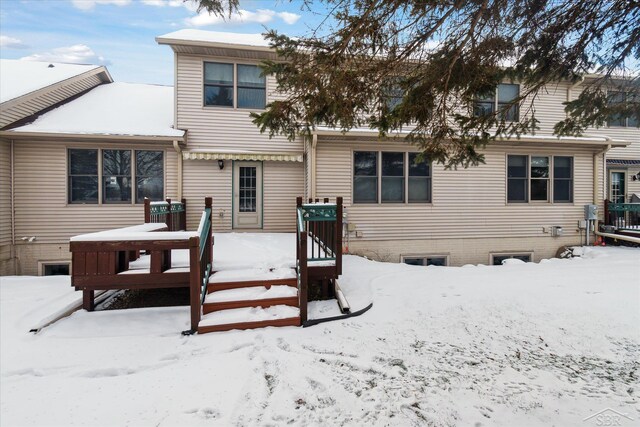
[249, 318]
[250, 297]
[219, 286]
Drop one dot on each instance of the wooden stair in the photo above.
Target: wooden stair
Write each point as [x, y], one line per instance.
[250, 299]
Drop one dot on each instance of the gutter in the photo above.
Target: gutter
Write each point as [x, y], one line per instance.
[87, 136]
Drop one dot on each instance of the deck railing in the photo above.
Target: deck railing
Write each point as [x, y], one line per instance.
[319, 239]
[169, 212]
[622, 216]
[101, 260]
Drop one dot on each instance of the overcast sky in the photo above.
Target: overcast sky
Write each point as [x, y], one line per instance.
[121, 33]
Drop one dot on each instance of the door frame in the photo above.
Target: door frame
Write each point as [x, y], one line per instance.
[610, 182]
[259, 193]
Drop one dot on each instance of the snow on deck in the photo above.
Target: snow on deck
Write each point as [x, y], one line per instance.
[516, 345]
[126, 109]
[249, 314]
[20, 77]
[251, 293]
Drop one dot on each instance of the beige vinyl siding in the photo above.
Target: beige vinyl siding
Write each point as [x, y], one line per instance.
[467, 203]
[5, 192]
[283, 182]
[203, 178]
[25, 106]
[220, 128]
[41, 192]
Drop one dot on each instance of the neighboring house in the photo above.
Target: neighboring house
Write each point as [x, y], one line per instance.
[396, 211]
[81, 164]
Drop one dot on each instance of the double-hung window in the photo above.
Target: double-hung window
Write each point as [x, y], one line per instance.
[112, 181]
[218, 84]
[381, 177]
[617, 120]
[83, 176]
[392, 187]
[502, 101]
[365, 177]
[234, 85]
[539, 179]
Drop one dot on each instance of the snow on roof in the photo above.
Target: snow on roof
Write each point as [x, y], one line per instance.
[18, 78]
[216, 37]
[113, 109]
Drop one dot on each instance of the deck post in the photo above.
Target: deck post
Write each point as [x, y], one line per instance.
[169, 218]
[208, 204]
[87, 299]
[298, 205]
[194, 281]
[183, 217]
[338, 236]
[607, 220]
[147, 210]
[304, 277]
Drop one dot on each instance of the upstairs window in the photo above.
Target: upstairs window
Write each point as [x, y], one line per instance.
[234, 85]
[540, 178]
[617, 120]
[252, 87]
[500, 101]
[218, 84]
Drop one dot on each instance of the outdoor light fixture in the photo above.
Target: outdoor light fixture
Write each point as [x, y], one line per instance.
[221, 164]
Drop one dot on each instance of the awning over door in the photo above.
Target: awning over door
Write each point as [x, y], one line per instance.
[213, 155]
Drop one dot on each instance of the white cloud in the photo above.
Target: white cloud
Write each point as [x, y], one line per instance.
[90, 4]
[260, 16]
[289, 18]
[11, 43]
[191, 6]
[76, 54]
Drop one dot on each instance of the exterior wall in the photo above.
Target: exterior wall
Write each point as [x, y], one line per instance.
[41, 208]
[282, 183]
[14, 110]
[467, 204]
[6, 264]
[221, 128]
[461, 251]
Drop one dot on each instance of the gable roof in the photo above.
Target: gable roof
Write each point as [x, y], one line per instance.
[214, 37]
[19, 78]
[117, 109]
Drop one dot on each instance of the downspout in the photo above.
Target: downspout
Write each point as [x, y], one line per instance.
[176, 146]
[595, 179]
[13, 210]
[314, 143]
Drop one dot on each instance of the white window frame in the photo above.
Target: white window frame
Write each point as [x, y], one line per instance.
[626, 119]
[235, 86]
[42, 264]
[425, 256]
[512, 254]
[550, 183]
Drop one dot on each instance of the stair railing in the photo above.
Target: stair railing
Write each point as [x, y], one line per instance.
[169, 212]
[200, 263]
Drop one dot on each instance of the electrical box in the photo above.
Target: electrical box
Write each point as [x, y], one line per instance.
[590, 212]
[582, 224]
[557, 231]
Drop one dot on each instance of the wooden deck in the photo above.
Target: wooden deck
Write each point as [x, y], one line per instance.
[113, 260]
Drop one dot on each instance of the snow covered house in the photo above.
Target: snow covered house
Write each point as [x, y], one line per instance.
[395, 211]
[84, 161]
[78, 153]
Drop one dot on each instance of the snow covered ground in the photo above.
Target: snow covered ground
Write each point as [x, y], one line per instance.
[515, 345]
